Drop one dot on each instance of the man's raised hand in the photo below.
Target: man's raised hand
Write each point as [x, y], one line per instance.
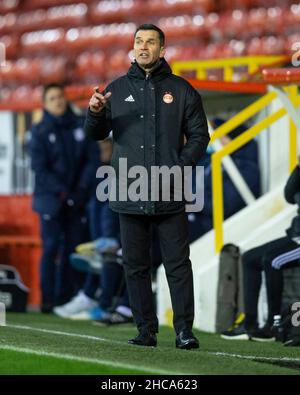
[98, 101]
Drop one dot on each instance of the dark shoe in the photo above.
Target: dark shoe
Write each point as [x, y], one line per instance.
[237, 331]
[264, 334]
[294, 342]
[144, 339]
[89, 263]
[186, 340]
[115, 318]
[47, 308]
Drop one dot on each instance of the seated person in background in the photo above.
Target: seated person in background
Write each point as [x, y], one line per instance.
[246, 160]
[105, 231]
[271, 258]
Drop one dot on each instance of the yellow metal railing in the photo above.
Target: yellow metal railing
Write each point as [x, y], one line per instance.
[238, 119]
[252, 63]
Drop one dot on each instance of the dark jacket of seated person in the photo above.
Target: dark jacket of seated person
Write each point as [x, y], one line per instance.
[246, 161]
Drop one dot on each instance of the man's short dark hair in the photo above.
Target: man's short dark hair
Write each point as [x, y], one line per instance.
[150, 26]
[54, 85]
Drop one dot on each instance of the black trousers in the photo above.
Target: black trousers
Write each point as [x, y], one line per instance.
[136, 245]
[255, 261]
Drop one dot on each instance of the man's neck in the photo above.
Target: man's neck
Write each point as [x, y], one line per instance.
[149, 69]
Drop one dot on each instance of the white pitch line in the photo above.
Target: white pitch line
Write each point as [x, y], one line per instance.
[89, 360]
[255, 358]
[88, 337]
[53, 332]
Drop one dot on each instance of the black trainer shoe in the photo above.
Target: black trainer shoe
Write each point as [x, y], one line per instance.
[47, 308]
[144, 339]
[186, 340]
[264, 334]
[115, 318]
[237, 331]
[293, 342]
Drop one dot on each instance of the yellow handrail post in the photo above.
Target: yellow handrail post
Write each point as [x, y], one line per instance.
[243, 115]
[201, 73]
[228, 73]
[252, 68]
[218, 207]
[227, 64]
[217, 181]
[176, 68]
[21, 126]
[36, 116]
[293, 94]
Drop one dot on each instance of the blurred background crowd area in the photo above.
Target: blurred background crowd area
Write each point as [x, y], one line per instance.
[89, 42]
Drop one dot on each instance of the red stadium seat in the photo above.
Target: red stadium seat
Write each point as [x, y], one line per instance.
[36, 4]
[63, 16]
[112, 11]
[11, 45]
[35, 71]
[234, 23]
[118, 64]
[272, 45]
[43, 40]
[7, 22]
[8, 6]
[254, 46]
[91, 63]
[289, 43]
[102, 36]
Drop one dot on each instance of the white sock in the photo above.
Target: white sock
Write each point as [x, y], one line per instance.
[86, 298]
[124, 310]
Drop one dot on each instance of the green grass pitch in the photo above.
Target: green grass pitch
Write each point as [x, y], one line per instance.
[33, 343]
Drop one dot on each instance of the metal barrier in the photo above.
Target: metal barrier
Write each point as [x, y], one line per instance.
[227, 127]
[252, 63]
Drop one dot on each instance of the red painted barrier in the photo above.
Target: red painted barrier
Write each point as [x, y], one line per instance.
[20, 244]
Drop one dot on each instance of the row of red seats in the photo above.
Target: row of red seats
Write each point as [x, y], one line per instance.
[244, 25]
[111, 8]
[15, 98]
[101, 36]
[274, 18]
[101, 66]
[106, 65]
[98, 12]
[11, 44]
[116, 8]
[237, 23]
[122, 9]
[44, 4]
[65, 16]
[248, 4]
[42, 70]
[8, 6]
[219, 5]
[10, 94]
[34, 71]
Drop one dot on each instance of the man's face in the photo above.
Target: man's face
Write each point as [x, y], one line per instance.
[147, 48]
[55, 102]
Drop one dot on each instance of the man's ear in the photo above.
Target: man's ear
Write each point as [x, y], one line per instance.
[162, 52]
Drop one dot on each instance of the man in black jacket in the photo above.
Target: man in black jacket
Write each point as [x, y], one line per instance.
[150, 110]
